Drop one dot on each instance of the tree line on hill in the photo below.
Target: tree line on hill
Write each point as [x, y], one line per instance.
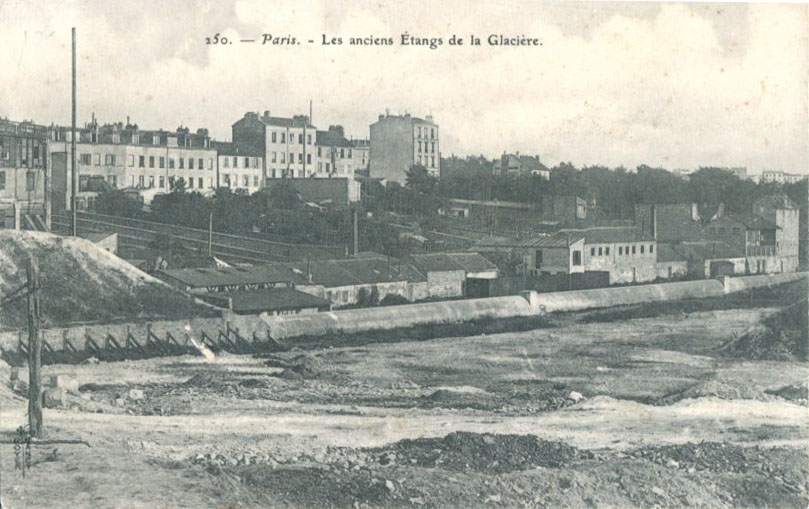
[280, 211]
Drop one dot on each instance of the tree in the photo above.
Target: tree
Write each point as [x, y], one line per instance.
[283, 195]
[419, 179]
[117, 203]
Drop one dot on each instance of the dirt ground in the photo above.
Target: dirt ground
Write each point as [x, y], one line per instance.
[632, 413]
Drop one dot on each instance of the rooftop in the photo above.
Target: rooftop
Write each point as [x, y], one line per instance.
[776, 201]
[222, 276]
[272, 299]
[228, 148]
[469, 262]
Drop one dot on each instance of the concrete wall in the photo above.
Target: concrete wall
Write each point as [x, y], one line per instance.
[670, 270]
[381, 318]
[446, 284]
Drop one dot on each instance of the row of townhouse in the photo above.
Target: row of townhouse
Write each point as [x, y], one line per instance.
[122, 156]
[294, 148]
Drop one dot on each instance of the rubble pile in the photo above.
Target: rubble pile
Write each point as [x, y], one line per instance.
[710, 456]
[780, 336]
[491, 453]
[296, 365]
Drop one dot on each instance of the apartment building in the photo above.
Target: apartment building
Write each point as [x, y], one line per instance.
[24, 175]
[399, 141]
[362, 153]
[781, 177]
[286, 144]
[238, 170]
[516, 165]
[336, 155]
[120, 156]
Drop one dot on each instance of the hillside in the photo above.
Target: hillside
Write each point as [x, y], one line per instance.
[83, 283]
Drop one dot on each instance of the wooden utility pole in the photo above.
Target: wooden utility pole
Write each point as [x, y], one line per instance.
[210, 233]
[356, 235]
[74, 174]
[34, 352]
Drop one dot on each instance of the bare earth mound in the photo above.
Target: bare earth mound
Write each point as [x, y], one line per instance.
[83, 283]
[780, 336]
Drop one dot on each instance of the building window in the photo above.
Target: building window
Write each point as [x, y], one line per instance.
[142, 161]
[283, 137]
[300, 158]
[140, 181]
[171, 181]
[255, 180]
[600, 251]
[273, 137]
[2, 180]
[273, 157]
[210, 164]
[633, 249]
[245, 181]
[131, 161]
[226, 162]
[342, 153]
[191, 183]
[576, 257]
[319, 167]
[190, 163]
[235, 162]
[607, 251]
[308, 158]
[300, 139]
[651, 248]
[86, 159]
[151, 181]
[641, 248]
[246, 162]
[283, 157]
[200, 166]
[161, 183]
[30, 180]
[161, 162]
[171, 163]
[538, 259]
[327, 167]
[109, 159]
[182, 163]
[97, 159]
[620, 250]
[151, 161]
[200, 182]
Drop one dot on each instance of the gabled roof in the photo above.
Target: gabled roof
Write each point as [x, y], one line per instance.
[286, 122]
[356, 271]
[706, 250]
[273, 299]
[225, 276]
[332, 139]
[776, 201]
[436, 262]
[608, 234]
[231, 149]
[750, 221]
[561, 238]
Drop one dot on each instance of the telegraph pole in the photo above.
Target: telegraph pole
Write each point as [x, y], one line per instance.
[34, 351]
[356, 234]
[74, 176]
[210, 232]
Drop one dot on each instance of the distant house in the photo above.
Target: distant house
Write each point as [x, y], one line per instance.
[768, 237]
[671, 263]
[520, 165]
[703, 259]
[626, 254]
[456, 274]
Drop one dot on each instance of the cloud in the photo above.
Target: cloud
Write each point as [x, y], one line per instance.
[676, 85]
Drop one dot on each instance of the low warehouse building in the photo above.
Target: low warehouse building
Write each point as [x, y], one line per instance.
[272, 301]
[456, 274]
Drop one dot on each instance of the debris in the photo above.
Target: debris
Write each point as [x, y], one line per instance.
[135, 394]
[54, 397]
[575, 396]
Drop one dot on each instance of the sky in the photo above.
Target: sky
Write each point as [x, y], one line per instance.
[616, 84]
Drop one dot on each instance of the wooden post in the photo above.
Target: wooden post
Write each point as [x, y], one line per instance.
[34, 351]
